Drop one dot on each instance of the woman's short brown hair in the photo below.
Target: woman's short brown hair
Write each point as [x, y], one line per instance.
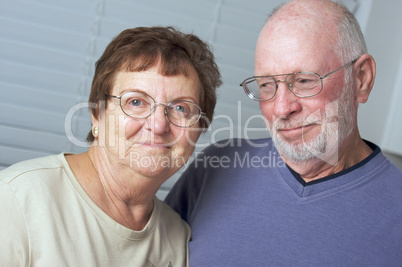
[139, 49]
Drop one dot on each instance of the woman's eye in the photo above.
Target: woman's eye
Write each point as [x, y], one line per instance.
[136, 102]
[180, 109]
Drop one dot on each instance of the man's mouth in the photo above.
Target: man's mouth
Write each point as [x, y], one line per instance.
[295, 131]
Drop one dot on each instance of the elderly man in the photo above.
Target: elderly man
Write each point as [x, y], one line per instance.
[316, 194]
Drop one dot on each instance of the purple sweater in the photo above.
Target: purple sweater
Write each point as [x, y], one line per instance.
[246, 207]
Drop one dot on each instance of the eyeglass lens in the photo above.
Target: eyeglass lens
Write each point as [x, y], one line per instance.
[140, 105]
[302, 84]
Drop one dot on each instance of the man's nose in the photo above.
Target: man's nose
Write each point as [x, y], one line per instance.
[285, 102]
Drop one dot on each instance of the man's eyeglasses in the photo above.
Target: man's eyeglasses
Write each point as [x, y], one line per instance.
[301, 84]
[139, 105]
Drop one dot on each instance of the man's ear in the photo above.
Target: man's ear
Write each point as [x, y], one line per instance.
[365, 70]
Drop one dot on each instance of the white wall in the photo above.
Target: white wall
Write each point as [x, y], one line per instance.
[48, 49]
[380, 118]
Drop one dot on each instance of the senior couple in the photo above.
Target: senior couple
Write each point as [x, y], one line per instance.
[333, 199]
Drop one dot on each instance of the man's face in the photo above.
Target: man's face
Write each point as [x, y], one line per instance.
[304, 128]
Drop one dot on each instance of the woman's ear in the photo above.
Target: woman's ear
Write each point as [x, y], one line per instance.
[95, 119]
[365, 74]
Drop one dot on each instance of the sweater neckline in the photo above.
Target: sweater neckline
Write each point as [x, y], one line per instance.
[338, 181]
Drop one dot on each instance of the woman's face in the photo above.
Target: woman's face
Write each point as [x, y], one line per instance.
[151, 146]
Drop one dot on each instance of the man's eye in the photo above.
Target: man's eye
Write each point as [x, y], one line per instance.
[305, 81]
[267, 85]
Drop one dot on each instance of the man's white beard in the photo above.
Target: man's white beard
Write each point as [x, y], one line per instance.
[337, 122]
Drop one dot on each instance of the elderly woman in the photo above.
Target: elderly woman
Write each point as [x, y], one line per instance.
[152, 94]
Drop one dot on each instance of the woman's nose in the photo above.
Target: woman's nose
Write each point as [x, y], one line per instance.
[158, 121]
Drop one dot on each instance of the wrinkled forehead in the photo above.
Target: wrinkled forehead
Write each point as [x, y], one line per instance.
[296, 39]
[307, 34]
[304, 18]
